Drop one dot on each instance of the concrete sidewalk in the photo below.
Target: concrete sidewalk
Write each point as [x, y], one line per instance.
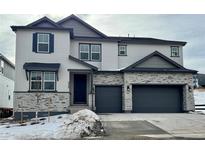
[165, 126]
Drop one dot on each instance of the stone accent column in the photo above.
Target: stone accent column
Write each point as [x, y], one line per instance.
[188, 99]
[127, 103]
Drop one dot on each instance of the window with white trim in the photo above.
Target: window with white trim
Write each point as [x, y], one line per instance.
[49, 81]
[90, 52]
[95, 52]
[174, 51]
[36, 81]
[122, 50]
[43, 42]
[42, 81]
[84, 51]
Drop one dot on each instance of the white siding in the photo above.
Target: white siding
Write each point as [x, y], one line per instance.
[61, 52]
[135, 52]
[6, 90]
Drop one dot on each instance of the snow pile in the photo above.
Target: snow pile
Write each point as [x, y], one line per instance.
[199, 97]
[81, 124]
[84, 123]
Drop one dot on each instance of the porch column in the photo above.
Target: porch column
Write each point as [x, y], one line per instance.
[127, 93]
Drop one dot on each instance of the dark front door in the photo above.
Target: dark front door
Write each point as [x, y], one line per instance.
[157, 99]
[80, 86]
[108, 99]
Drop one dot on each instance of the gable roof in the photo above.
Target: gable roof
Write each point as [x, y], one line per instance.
[82, 22]
[51, 25]
[83, 63]
[34, 25]
[7, 60]
[43, 20]
[179, 68]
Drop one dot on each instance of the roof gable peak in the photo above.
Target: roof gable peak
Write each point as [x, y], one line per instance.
[42, 20]
[76, 18]
[155, 53]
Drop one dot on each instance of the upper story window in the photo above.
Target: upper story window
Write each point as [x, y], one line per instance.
[43, 42]
[174, 51]
[122, 50]
[95, 52]
[90, 52]
[84, 51]
[42, 81]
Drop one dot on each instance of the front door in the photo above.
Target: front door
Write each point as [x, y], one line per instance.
[80, 88]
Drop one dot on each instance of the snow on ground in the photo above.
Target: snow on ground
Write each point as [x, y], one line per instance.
[199, 96]
[66, 126]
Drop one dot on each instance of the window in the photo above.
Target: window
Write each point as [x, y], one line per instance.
[122, 50]
[49, 81]
[43, 42]
[40, 81]
[95, 52]
[91, 52]
[174, 51]
[36, 81]
[84, 51]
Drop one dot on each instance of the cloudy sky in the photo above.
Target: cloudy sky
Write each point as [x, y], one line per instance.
[189, 28]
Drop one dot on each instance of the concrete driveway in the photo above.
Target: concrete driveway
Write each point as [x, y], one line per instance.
[154, 126]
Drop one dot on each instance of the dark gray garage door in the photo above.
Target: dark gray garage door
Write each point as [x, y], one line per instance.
[157, 99]
[108, 99]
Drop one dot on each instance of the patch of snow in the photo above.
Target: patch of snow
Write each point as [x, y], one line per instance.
[76, 126]
[199, 97]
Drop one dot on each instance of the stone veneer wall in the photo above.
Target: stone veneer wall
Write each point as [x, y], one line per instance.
[160, 78]
[109, 78]
[27, 102]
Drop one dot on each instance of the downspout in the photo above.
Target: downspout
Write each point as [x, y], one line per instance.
[92, 90]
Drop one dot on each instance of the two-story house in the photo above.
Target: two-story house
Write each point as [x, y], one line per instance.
[7, 72]
[79, 67]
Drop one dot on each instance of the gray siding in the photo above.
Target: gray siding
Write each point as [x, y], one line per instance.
[156, 62]
[45, 24]
[79, 29]
[8, 71]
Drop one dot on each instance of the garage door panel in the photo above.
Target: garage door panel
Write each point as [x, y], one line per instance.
[157, 99]
[108, 99]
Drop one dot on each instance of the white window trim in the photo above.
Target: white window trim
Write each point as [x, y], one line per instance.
[44, 81]
[38, 42]
[125, 51]
[36, 81]
[95, 52]
[178, 55]
[83, 51]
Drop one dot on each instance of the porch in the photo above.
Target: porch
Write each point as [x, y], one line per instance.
[80, 89]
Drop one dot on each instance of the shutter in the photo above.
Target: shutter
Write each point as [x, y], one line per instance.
[35, 42]
[51, 43]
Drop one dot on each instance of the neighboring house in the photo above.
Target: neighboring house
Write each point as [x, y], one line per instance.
[79, 67]
[6, 86]
[199, 80]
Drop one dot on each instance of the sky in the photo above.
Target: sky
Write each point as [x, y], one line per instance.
[189, 28]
